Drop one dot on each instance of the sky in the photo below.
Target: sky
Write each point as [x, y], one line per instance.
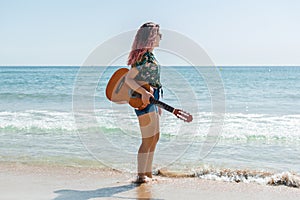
[232, 32]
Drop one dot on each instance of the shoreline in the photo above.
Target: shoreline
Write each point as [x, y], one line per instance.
[27, 181]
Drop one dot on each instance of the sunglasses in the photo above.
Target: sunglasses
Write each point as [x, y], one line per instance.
[160, 35]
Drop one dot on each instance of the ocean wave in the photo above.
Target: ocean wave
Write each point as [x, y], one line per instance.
[261, 127]
[34, 96]
[36, 120]
[34, 130]
[289, 179]
[237, 127]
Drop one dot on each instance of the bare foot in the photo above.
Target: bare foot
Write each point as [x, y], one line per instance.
[142, 179]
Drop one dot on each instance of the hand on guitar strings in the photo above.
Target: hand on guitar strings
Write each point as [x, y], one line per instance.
[146, 98]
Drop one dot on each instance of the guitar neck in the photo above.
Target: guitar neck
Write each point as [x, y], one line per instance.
[162, 105]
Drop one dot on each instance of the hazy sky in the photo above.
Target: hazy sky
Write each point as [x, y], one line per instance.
[233, 32]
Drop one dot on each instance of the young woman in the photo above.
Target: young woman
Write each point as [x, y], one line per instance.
[145, 68]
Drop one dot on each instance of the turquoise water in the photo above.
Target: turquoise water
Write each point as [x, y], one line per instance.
[260, 131]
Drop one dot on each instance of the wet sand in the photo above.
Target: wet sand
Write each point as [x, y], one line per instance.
[23, 181]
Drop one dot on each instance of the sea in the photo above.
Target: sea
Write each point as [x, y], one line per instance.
[245, 128]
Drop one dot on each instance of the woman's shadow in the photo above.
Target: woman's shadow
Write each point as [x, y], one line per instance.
[102, 192]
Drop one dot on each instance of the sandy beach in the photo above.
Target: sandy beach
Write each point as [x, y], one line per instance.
[23, 181]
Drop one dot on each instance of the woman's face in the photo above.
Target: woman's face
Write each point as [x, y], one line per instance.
[157, 40]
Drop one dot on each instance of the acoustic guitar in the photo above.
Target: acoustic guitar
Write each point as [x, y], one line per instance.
[118, 91]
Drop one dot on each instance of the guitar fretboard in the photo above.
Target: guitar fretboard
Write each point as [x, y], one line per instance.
[162, 105]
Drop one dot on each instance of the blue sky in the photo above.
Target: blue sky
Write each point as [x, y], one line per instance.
[53, 32]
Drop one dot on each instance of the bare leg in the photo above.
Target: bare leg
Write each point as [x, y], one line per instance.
[149, 125]
[151, 155]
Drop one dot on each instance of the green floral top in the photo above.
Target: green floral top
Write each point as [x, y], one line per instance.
[149, 70]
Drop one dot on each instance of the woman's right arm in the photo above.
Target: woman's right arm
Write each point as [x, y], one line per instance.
[130, 81]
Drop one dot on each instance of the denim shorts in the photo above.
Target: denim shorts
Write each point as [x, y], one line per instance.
[150, 107]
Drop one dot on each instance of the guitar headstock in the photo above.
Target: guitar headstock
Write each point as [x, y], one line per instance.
[185, 116]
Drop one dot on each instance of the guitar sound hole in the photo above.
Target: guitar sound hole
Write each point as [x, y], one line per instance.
[134, 94]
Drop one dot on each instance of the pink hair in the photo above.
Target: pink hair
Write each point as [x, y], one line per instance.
[143, 41]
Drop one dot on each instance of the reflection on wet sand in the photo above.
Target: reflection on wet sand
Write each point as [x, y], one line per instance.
[144, 191]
